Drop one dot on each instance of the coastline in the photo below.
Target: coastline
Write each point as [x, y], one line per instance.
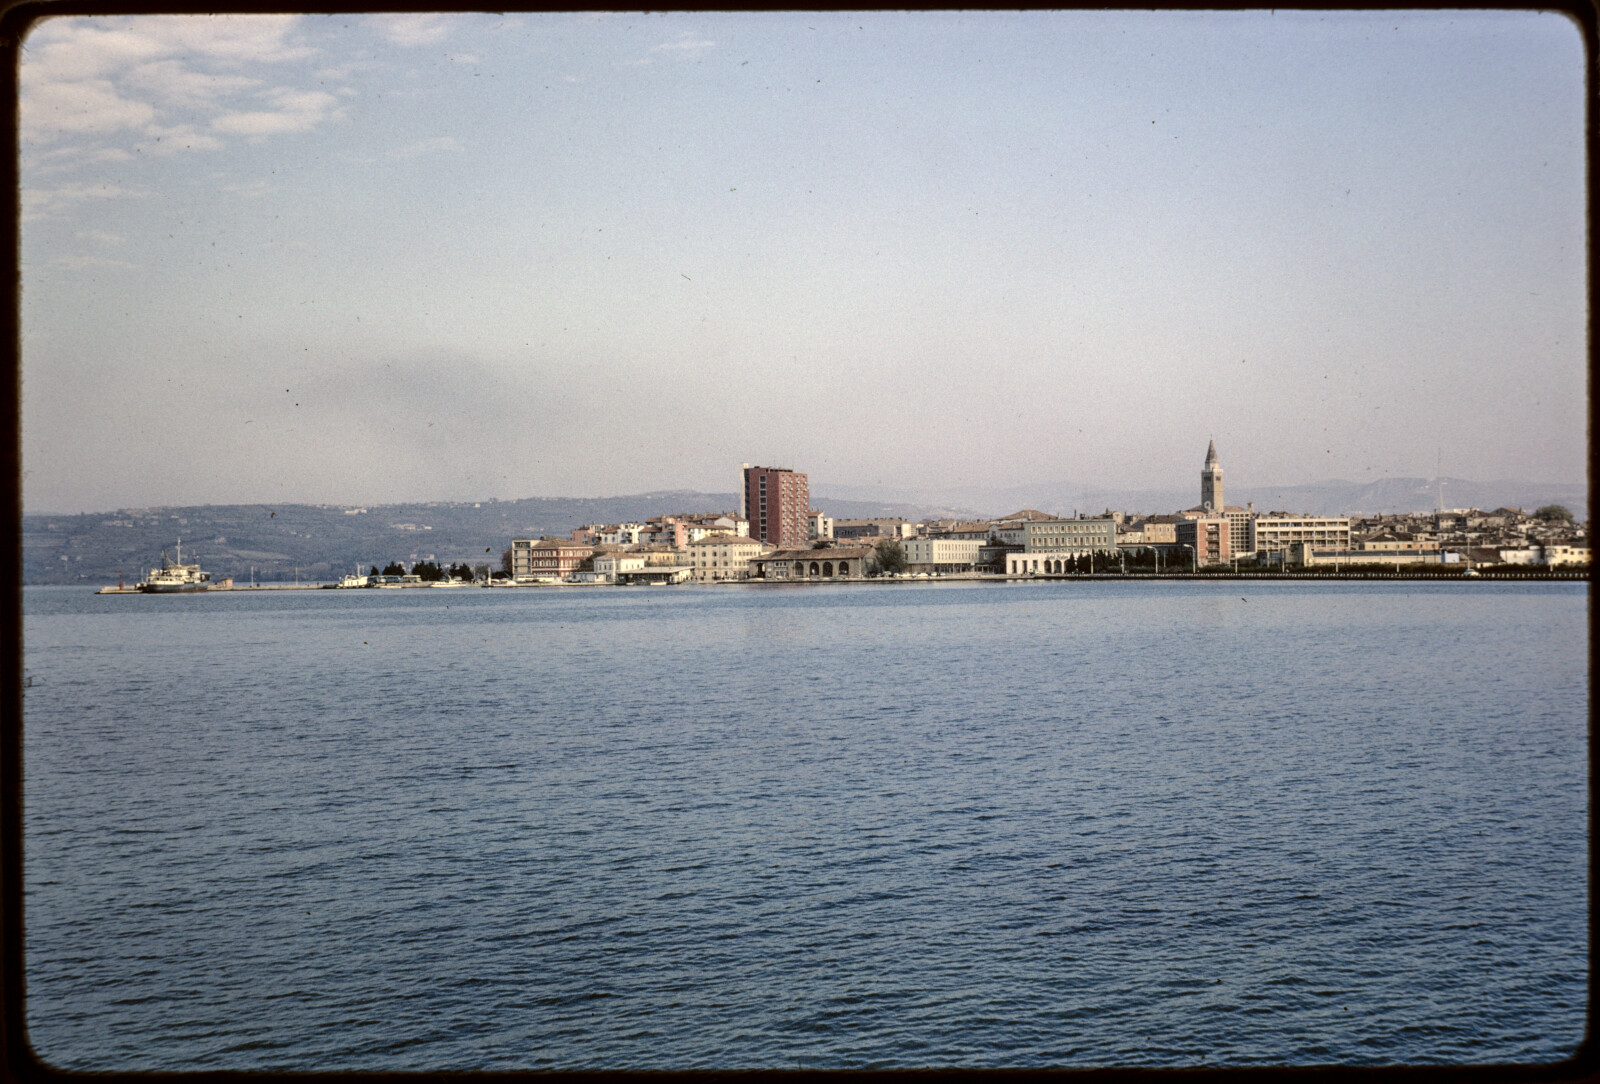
[1374, 575]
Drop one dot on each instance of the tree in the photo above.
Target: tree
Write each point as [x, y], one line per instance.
[1553, 512]
[505, 561]
[374, 571]
[428, 571]
[891, 556]
[394, 568]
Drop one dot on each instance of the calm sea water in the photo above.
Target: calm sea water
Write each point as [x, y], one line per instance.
[837, 826]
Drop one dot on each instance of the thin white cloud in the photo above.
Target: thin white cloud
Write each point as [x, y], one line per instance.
[183, 137]
[100, 236]
[413, 28]
[289, 111]
[82, 263]
[440, 144]
[38, 202]
[341, 73]
[249, 189]
[54, 159]
[685, 43]
[175, 84]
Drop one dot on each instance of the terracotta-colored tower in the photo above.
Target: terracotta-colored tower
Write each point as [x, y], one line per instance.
[777, 502]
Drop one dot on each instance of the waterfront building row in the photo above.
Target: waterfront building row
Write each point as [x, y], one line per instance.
[775, 516]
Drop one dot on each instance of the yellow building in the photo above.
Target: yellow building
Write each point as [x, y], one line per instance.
[719, 558]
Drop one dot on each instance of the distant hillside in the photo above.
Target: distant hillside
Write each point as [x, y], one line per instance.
[1413, 495]
[322, 542]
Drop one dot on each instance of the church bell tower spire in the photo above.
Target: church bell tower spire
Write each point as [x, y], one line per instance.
[1211, 481]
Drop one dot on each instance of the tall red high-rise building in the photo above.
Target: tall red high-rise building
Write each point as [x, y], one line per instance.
[777, 502]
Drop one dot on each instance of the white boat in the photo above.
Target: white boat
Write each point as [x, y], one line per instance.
[175, 577]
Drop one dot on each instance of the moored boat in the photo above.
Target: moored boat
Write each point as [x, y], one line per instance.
[175, 577]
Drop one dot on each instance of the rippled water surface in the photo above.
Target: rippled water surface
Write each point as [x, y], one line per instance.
[875, 825]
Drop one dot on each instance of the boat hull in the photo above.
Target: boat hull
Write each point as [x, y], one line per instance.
[172, 588]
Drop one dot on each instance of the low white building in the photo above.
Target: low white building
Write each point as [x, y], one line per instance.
[1052, 562]
[1398, 549]
[657, 575]
[1551, 555]
[608, 567]
[942, 554]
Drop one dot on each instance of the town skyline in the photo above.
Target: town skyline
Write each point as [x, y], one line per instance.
[490, 257]
[778, 513]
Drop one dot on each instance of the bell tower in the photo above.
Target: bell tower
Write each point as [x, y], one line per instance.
[1211, 481]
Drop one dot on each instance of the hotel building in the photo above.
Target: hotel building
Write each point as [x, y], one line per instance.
[546, 559]
[1069, 536]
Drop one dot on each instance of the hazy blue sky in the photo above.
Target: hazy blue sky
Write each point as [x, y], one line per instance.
[364, 259]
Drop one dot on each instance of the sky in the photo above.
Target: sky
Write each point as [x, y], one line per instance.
[376, 259]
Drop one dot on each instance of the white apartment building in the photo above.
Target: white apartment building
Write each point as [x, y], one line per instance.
[1276, 533]
[621, 534]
